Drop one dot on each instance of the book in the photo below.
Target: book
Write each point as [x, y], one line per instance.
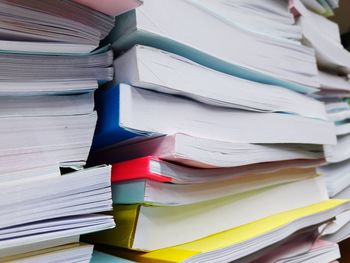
[204, 153]
[156, 169]
[237, 243]
[110, 7]
[226, 48]
[157, 70]
[144, 227]
[122, 113]
[149, 192]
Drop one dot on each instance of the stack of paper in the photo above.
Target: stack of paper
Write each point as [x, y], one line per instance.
[186, 222]
[335, 86]
[47, 121]
[58, 26]
[333, 61]
[324, 36]
[229, 46]
[43, 215]
[336, 173]
[301, 247]
[237, 243]
[53, 124]
[64, 253]
[212, 138]
[137, 108]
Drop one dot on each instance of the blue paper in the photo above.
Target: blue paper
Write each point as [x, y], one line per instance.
[108, 131]
[99, 257]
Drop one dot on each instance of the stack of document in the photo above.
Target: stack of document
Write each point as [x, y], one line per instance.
[212, 137]
[231, 45]
[335, 87]
[336, 173]
[65, 253]
[48, 102]
[189, 216]
[44, 216]
[58, 26]
[238, 243]
[333, 61]
[135, 113]
[47, 122]
[324, 36]
[30, 74]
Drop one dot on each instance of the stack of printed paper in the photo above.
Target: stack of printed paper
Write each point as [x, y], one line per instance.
[213, 136]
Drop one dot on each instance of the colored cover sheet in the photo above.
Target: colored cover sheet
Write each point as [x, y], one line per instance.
[111, 7]
[99, 257]
[108, 131]
[136, 169]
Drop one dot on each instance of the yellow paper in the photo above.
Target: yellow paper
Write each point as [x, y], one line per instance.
[233, 236]
[123, 235]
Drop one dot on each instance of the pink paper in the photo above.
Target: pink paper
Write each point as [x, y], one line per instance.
[111, 7]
